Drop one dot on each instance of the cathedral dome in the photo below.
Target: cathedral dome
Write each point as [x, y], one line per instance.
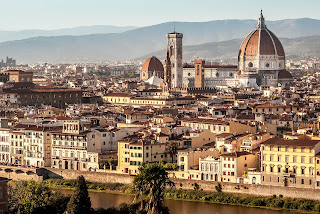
[152, 64]
[261, 41]
[151, 67]
[284, 75]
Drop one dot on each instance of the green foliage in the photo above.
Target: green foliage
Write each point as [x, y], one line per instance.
[94, 186]
[257, 202]
[151, 183]
[80, 201]
[317, 207]
[171, 166]
[34, 197]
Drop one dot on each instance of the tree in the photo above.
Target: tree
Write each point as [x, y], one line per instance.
[34, 197]
[173, 149]
[80, 201]
[150, 183]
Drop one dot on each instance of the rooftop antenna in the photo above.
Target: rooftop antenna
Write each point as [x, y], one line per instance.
[174, 26]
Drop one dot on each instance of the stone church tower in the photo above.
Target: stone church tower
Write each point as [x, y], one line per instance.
[167, 71]
[199, 73]
[174, 51]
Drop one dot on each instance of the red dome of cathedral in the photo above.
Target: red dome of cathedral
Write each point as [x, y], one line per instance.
[152, 64]
[261, 41]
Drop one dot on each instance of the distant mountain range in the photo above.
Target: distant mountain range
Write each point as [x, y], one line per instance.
[6, 35]
[212, 39]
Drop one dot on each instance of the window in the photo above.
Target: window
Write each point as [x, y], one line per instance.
[279, 169]
[182, 159]
[302, 181]
[279, 148]
[271, 168]
[294, 149]
[302, 159]
[302, 171]
[287, 149]
[279, 158]
[302, 149]
[294, 159]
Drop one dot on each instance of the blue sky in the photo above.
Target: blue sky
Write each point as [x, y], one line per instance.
[54, 14]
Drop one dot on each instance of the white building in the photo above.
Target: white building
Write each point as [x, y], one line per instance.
[210, 168]
[5, 145]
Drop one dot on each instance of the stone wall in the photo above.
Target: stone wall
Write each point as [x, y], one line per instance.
[111, 177]
[99, 177]
[252, 189]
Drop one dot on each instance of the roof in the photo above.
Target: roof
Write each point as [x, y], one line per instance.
[284, 74]
[152, 64]
[154, 80]
[118, 95]
[204, 120]
[261, 41]
[236, 154]
[291, 142]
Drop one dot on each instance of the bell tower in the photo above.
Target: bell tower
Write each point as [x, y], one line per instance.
[174, 52]
[199, 73]
[167, 71]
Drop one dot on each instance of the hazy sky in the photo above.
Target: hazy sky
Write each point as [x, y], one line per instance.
[53, 14]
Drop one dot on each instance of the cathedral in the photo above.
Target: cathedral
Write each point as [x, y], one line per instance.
[261, 62]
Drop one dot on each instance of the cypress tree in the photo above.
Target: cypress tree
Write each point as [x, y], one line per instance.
[80, 201]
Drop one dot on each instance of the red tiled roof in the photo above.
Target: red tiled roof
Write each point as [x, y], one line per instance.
[287, 142]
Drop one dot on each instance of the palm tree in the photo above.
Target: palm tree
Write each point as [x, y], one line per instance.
[173, 149]
[150, 184]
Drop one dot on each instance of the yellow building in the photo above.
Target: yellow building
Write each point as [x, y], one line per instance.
[117, 98]
[214, 125]
[200, 138]
[131, 154]
[156, 102]
[289, 162]
[159, 119]
[274, 109]
[235, 164]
